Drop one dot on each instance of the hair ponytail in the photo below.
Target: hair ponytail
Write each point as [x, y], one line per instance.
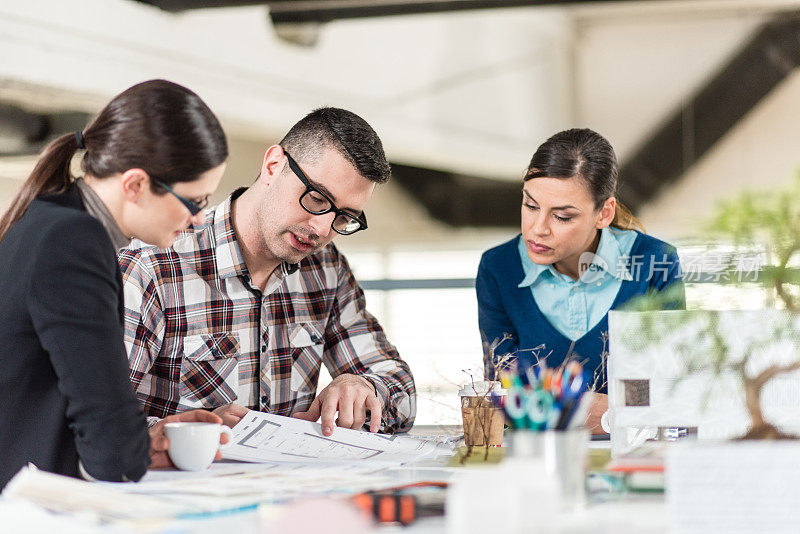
[625, 220]
[50, 175]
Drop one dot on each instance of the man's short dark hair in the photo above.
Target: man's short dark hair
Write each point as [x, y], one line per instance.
[344, 131]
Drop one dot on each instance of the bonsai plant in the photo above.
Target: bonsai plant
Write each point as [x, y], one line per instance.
[770, 221]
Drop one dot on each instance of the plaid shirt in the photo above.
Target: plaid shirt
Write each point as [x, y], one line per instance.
[199, 334]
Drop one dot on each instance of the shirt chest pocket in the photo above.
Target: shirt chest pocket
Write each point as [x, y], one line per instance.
[307, 343]
[209, 376]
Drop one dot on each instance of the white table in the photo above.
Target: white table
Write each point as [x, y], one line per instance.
[605, 514]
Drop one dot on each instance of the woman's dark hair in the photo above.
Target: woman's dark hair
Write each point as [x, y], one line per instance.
[586, 154]
[158, 126]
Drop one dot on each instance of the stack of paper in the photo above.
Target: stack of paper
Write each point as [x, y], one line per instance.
[72, 496]
[287, 459]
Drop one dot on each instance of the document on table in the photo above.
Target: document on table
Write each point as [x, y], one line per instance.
[167, 496]
[287, 459]
[261, 437]
[231, 485]
[69, 495]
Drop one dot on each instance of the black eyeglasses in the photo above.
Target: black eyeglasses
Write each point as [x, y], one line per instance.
[193, 207]
[316, 202]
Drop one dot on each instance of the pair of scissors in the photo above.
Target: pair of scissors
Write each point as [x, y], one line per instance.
[539, 408]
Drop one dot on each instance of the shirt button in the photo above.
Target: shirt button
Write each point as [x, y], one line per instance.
[263, 348]
[264, 399]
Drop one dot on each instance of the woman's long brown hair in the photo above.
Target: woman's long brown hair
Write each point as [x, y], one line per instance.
[158, 126]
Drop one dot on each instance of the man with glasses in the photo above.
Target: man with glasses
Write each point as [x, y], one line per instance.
[243, 310]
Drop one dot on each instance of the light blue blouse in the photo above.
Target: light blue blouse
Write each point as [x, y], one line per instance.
[573, 307]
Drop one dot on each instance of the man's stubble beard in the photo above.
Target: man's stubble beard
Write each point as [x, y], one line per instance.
[278, 244]
[282, 249]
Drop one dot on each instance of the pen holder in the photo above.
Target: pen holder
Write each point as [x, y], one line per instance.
[564, 456]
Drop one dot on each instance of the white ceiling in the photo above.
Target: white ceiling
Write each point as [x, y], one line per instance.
[469, 92]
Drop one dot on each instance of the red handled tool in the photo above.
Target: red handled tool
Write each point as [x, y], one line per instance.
[403, 504]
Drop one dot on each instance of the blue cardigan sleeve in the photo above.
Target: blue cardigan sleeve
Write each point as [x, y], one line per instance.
[670, 281]
[493, 320]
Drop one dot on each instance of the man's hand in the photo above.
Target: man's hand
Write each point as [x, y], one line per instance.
[159, 442]
[231, 414]
[599, 407]
[352, 396]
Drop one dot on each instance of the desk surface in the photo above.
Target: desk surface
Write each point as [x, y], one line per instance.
[605, 514]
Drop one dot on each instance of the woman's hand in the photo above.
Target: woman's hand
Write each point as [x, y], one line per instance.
[599, 407]
[159, 442]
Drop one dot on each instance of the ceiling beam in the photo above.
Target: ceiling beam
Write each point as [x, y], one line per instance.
[302, 11]
[299, 11]
[25, 133]
[705, 117]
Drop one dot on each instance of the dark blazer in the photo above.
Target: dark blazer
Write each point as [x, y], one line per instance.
[64, 387]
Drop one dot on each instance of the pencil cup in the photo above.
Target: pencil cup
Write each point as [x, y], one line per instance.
[564, 454]
[483, 420]
[192, 446]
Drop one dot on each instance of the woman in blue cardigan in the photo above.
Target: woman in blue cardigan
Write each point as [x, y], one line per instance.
[581, 253]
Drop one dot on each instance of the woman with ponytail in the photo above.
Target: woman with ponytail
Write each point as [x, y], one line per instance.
[151, 158]
[581, 253]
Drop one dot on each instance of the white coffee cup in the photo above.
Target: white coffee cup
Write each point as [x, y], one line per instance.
[192, 446]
